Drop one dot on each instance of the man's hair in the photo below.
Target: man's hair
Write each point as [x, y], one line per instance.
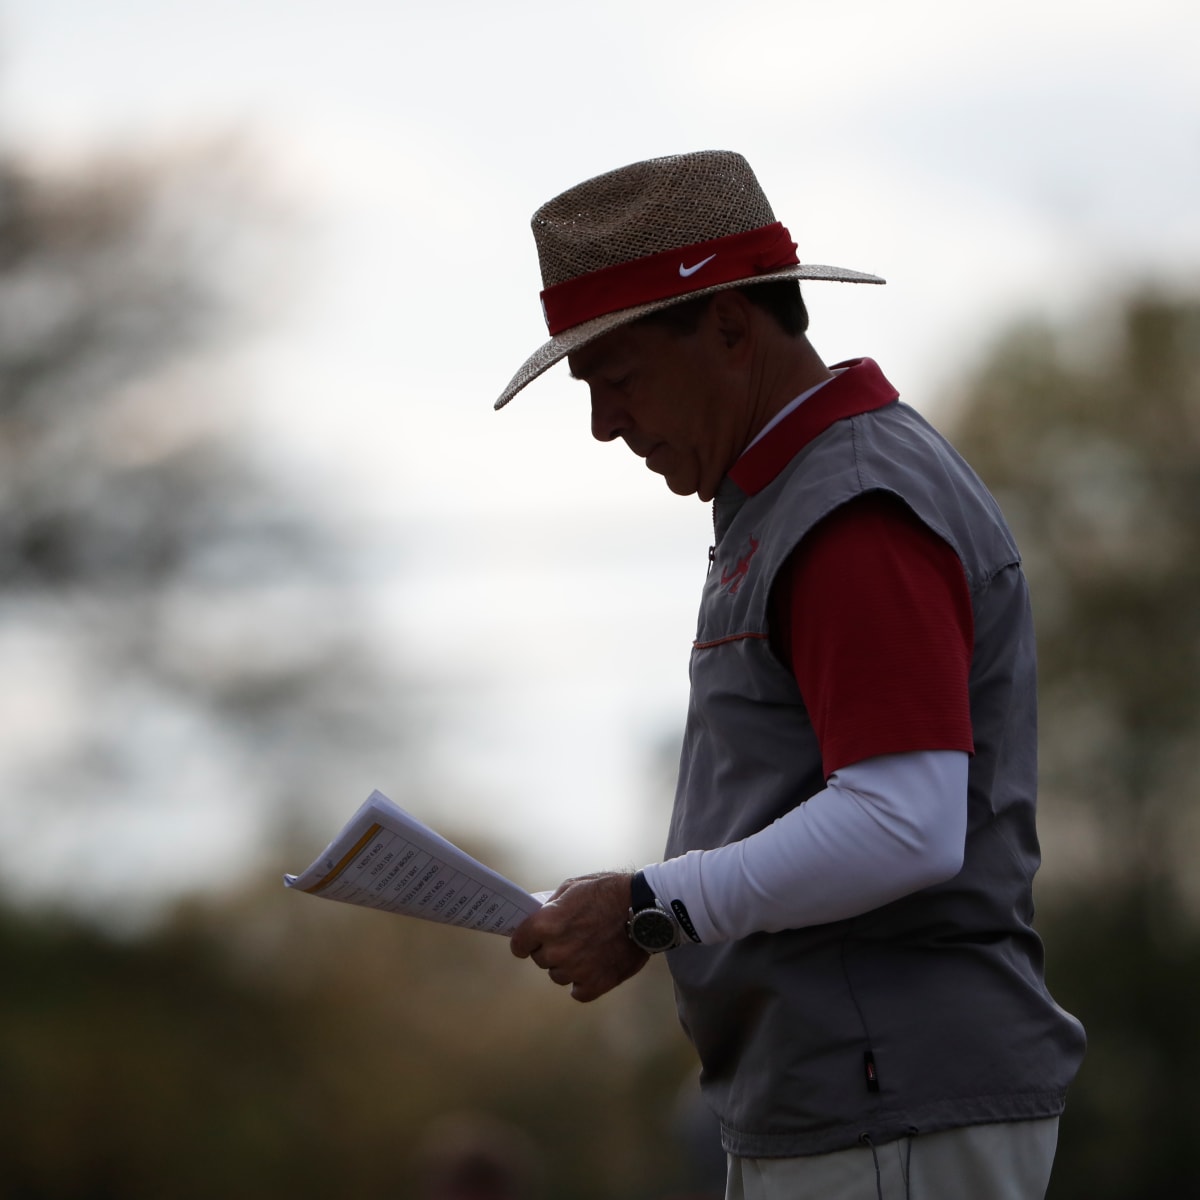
[780, 298]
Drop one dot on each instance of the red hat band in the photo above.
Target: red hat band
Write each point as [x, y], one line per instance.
[732, 259]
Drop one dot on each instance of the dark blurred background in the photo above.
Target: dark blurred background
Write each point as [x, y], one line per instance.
[196, 692]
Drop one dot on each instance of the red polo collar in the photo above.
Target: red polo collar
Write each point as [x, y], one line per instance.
[860, 388]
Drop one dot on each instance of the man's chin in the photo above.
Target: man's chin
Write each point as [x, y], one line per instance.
[683, 487]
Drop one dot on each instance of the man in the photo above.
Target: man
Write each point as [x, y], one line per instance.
[846, 894]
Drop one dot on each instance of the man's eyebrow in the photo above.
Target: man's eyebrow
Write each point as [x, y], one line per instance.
[589, 366]
[591, 363]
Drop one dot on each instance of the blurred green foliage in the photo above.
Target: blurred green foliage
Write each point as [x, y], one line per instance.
[277, 1045]
[1090, 438]
[1131, 973]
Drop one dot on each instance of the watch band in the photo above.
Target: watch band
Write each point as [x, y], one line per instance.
[641, 894]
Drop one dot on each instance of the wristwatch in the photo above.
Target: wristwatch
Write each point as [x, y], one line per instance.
[651, 926]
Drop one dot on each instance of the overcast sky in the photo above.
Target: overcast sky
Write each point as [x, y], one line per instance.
[988, 161]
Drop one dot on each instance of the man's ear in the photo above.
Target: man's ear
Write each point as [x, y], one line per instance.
[733, 320]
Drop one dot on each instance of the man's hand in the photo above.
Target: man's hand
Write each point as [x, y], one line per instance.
[579, 935]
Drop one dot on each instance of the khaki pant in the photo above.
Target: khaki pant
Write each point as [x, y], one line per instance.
[1006, 1161]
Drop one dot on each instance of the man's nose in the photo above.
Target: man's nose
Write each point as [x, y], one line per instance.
[608, 418]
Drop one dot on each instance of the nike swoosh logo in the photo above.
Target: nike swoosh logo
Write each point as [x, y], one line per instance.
[684, 272]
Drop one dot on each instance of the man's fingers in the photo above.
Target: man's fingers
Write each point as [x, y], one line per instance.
[592, 989]
[525, 940]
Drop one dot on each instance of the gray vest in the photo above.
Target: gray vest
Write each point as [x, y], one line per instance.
[928, 1013]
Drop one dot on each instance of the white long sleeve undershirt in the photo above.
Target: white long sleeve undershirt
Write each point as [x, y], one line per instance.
[881, 829]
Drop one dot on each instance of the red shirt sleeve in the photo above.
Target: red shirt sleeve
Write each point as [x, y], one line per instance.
[873, 614]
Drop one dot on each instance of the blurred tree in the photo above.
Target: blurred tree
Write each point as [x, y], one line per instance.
[1091, 442]
[1090, 439]
[183, 650]
[179, 636]
[272, 1045]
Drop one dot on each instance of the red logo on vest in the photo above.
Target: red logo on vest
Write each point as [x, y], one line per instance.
[732, 580]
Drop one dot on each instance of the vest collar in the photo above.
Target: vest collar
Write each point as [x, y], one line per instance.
[861, 387]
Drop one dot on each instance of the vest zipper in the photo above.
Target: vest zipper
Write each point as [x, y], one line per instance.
[870, 1071]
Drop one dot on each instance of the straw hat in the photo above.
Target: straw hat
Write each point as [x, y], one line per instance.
[650, 235]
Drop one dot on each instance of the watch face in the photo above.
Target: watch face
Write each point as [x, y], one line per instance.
[652, 929]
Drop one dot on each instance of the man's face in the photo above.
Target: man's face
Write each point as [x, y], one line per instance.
[669, 396]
